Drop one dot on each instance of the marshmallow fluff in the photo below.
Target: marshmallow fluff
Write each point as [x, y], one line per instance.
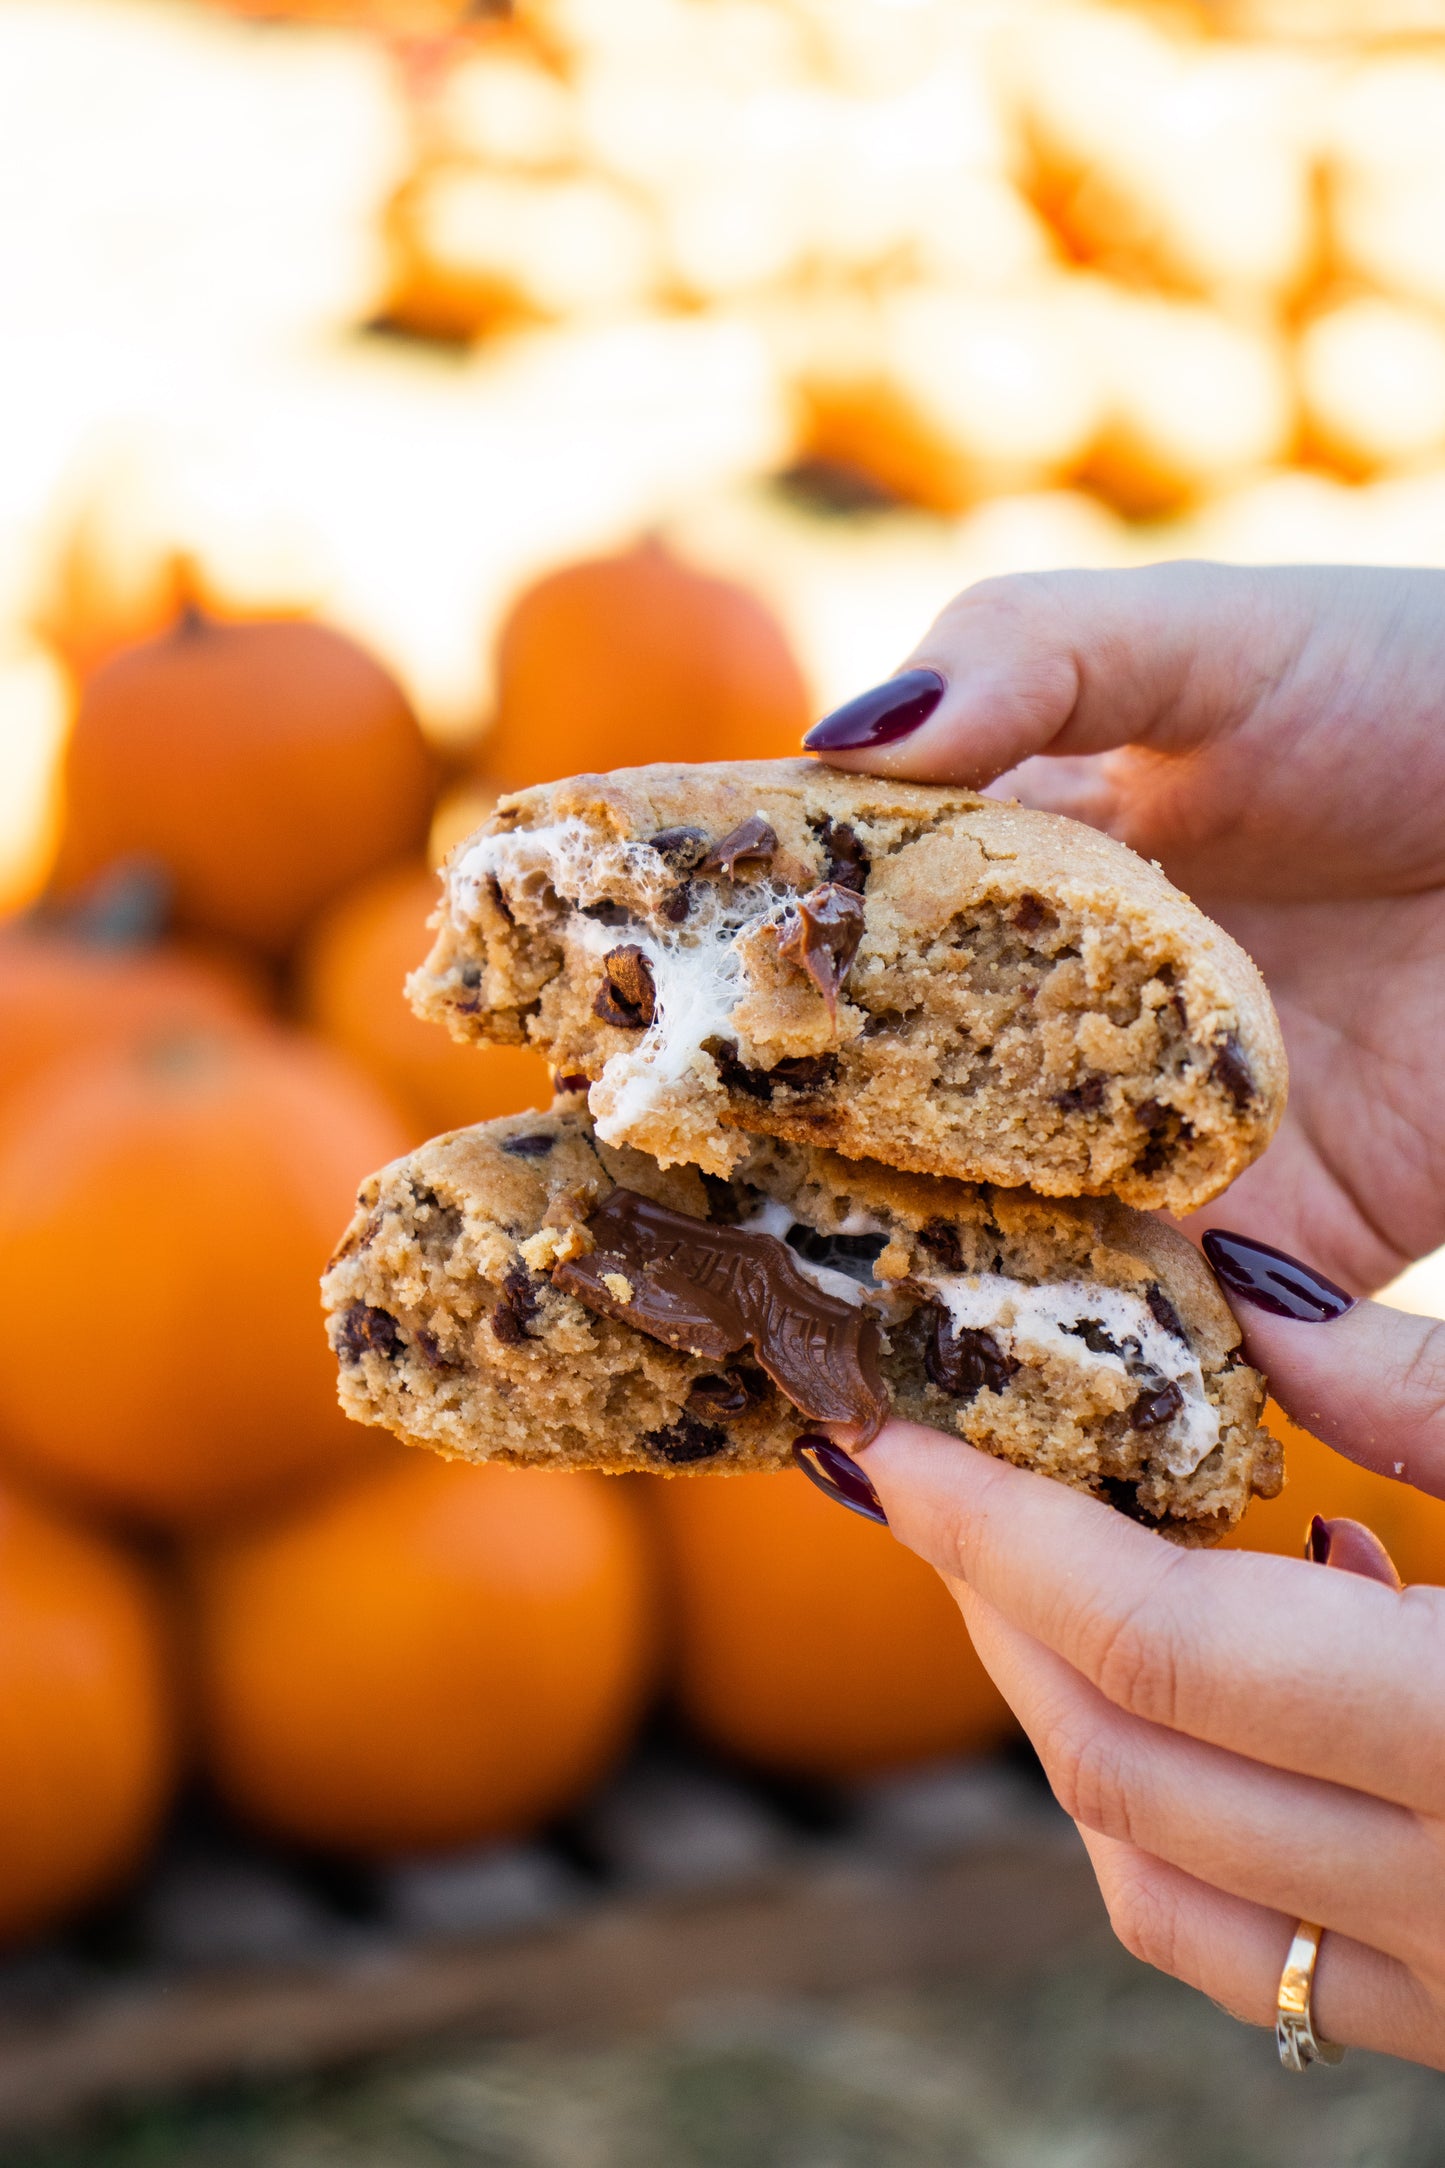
[1046, 1318]
[698, 971]
[1043, 1319]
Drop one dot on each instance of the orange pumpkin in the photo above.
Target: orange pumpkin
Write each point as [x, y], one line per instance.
[627, 659]
[1318, 1480]
[263, 767]
[351, 977]
[60, 995]
[809, 1641]
[87, 1725]
[164, 1214]
[435, 1656]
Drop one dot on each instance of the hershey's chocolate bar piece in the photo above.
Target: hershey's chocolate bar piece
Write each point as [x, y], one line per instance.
[823, 936]
[715, 1290]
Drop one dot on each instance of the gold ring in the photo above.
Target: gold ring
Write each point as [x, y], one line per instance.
[1294, 2027]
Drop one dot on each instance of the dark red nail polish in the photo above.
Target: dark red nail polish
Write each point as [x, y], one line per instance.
[879, 717]
[1351, 1547]
[1274, 1281]
[838, 1477]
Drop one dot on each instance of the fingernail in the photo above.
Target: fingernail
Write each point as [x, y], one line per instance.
[879, 717]
[1274, 1281]
[1351, 1547]
[838, 1477]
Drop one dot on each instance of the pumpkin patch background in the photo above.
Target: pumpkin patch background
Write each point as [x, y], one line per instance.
[406, 402]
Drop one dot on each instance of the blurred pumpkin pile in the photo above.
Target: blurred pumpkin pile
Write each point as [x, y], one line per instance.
[1000, 281]
[207, 1576]
[988, 249]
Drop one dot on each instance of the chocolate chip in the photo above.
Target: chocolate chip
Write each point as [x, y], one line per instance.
[682, 848]
[1163, 1312]
[724, 1206]
[854, 1255]
[365, 1330]
[822, 935]
[535, 1144]
[685, 1440]
[964, 1361]
[1082, 1098]
[676, 906]
[1116, 1491]
[431, 1350]
[845, 862]
[571, 1083]
[942, 1240]
[733, 1074]
[494, 890]
[800, 1073]
[471, 975]
[805, 1072]
[519, 1303]
[608, 914]
[1230, 1070]
[1156, 1406]
[729, 1392]
[1168, 1131]
[1091, 1331]
[626, 996]
[1030, 914]
[752, 845]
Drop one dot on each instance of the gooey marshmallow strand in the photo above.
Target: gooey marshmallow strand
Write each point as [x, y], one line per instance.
[697, 971]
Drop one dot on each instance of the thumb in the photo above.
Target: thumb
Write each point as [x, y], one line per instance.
[1368, 1380]
[1075, 663]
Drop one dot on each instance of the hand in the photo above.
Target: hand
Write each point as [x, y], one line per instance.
[1243, 1741]
[1276, 739]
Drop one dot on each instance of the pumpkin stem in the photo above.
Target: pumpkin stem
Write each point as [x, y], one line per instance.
[126, 906]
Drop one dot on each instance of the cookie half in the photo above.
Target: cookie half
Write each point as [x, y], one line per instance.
[924, 977]
[523, 1292]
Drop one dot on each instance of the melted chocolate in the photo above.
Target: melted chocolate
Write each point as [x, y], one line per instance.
[717, 1290]
[751, 844]
[823, 936]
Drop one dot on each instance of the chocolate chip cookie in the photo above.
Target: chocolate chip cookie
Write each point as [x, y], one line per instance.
[923, 977]
[524, 1291]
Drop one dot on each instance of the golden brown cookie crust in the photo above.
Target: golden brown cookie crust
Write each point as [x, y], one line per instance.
[450, 1332]
[1030, 1004]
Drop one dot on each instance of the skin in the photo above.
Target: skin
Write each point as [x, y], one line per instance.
[1242, 1740]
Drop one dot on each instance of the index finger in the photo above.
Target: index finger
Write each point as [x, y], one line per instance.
[1327, 1674]
[1078, 663]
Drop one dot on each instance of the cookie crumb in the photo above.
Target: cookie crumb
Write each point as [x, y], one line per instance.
[554, 1246]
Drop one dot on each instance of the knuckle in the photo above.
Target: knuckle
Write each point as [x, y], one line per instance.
[1421, 1390]
[1143, 1913]
[1089, 1775]
[1138, 1661]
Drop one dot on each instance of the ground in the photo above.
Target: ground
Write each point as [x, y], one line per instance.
[1091, 2063]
